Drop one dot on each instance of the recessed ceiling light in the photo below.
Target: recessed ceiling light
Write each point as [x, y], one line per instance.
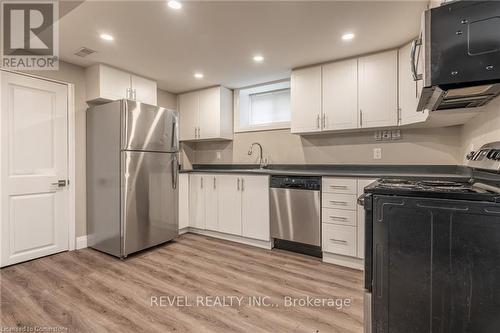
[348, 36]
[198, 75]
[258, 58]
[174, 4]
[107, 37]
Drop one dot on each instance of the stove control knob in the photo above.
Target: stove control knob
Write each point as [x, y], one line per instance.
[470, 155]
[497, 155]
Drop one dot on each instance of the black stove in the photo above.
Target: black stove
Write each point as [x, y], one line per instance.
[466, 189]
[432, 248]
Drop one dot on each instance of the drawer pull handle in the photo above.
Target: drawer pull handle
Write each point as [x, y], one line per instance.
[338, 186]
[338, 240]
[343, 203]
[338, 218]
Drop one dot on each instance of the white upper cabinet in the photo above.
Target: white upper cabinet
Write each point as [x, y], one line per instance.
[188, 125]
[144, 90]
[255, 207]
[409, 90]
[378, 89]
[340, 95]
[206, 114]
[105, 83]
[306, 100]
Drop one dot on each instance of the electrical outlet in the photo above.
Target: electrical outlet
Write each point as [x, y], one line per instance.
[396, 134]
[377, 153]
[218, 155]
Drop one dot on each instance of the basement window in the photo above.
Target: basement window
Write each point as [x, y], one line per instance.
[263, 107]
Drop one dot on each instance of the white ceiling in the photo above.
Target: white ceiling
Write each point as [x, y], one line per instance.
[220, 38]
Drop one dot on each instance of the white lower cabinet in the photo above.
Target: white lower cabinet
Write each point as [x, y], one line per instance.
[230, 204]
[340, 239]
[211, 199]
[196, 201]
[343, 224]
[362, 183]
[255, 207]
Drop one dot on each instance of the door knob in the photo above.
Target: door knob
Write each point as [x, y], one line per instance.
[60, 183]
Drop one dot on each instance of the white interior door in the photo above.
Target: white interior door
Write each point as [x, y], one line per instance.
[34, 157]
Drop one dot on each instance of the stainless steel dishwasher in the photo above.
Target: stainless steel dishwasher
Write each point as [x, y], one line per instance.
[295, 213]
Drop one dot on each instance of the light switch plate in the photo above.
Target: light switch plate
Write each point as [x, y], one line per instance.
[218, 155]
[377, 153]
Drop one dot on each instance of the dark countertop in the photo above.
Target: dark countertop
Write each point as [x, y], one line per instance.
[340, 170]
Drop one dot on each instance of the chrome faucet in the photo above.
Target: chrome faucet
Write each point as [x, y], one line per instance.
[262, 163]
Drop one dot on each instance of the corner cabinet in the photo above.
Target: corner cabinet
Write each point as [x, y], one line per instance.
[105, 83]
[230, 204]
[206, 115]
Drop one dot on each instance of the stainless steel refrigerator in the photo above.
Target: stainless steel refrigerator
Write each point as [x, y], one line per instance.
[132, 172]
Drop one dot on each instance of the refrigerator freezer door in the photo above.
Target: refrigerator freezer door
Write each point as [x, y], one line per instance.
[149, 199]
[149, 128]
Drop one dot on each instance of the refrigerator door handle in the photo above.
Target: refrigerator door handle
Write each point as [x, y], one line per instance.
[175, 171]
[174, 136]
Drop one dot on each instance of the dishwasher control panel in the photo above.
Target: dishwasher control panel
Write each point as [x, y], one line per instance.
[310, 183]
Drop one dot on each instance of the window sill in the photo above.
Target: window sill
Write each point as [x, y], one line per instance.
[277, 126]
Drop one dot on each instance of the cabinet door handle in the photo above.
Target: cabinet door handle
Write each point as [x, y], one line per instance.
[242, 184]
[201, 183]
[338, 186]
[360, 118]
[215, 185]
[324, 121]
[195, 133]
[238, 184]
[338, 218]
[317, 120]
[343, 203]
[338, 240]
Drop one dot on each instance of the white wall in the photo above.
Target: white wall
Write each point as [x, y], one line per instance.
[418, 146]
[482, 129]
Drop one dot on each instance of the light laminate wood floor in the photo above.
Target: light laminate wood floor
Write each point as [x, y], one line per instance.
[88, 291]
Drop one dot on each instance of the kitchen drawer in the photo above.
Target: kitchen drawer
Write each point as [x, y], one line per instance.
[339, 239]
[339, 201]
[339, 185]
[338, 216]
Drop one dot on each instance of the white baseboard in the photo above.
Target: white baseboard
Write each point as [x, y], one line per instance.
[233, 238]
[81, 242]
[340, 260]
[183, 230]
